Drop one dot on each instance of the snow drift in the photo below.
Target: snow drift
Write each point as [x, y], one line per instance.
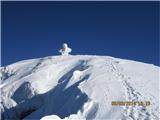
[78, 87]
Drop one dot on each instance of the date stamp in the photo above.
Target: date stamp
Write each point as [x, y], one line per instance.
[131, 103]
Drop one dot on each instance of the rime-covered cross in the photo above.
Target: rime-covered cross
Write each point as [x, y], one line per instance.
[65, 49]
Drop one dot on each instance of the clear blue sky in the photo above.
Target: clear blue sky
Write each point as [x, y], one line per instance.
[120, 29]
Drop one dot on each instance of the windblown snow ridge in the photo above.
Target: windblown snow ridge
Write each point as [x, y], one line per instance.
[78, 87]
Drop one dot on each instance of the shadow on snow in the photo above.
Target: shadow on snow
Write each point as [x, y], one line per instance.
[59, 101]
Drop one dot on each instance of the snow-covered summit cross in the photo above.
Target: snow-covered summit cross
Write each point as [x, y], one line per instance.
[65, 49]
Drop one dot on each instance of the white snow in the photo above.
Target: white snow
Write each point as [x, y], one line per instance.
[78, 87]
[55, 117]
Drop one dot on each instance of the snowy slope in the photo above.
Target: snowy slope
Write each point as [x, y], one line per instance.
[78, 87]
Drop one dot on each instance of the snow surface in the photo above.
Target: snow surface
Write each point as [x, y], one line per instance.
[78, 87]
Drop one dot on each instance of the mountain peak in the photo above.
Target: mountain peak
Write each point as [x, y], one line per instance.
[78, 87]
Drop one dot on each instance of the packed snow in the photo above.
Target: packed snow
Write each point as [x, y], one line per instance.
[80, 87]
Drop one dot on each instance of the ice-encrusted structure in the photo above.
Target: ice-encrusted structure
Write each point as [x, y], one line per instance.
[65, 49]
